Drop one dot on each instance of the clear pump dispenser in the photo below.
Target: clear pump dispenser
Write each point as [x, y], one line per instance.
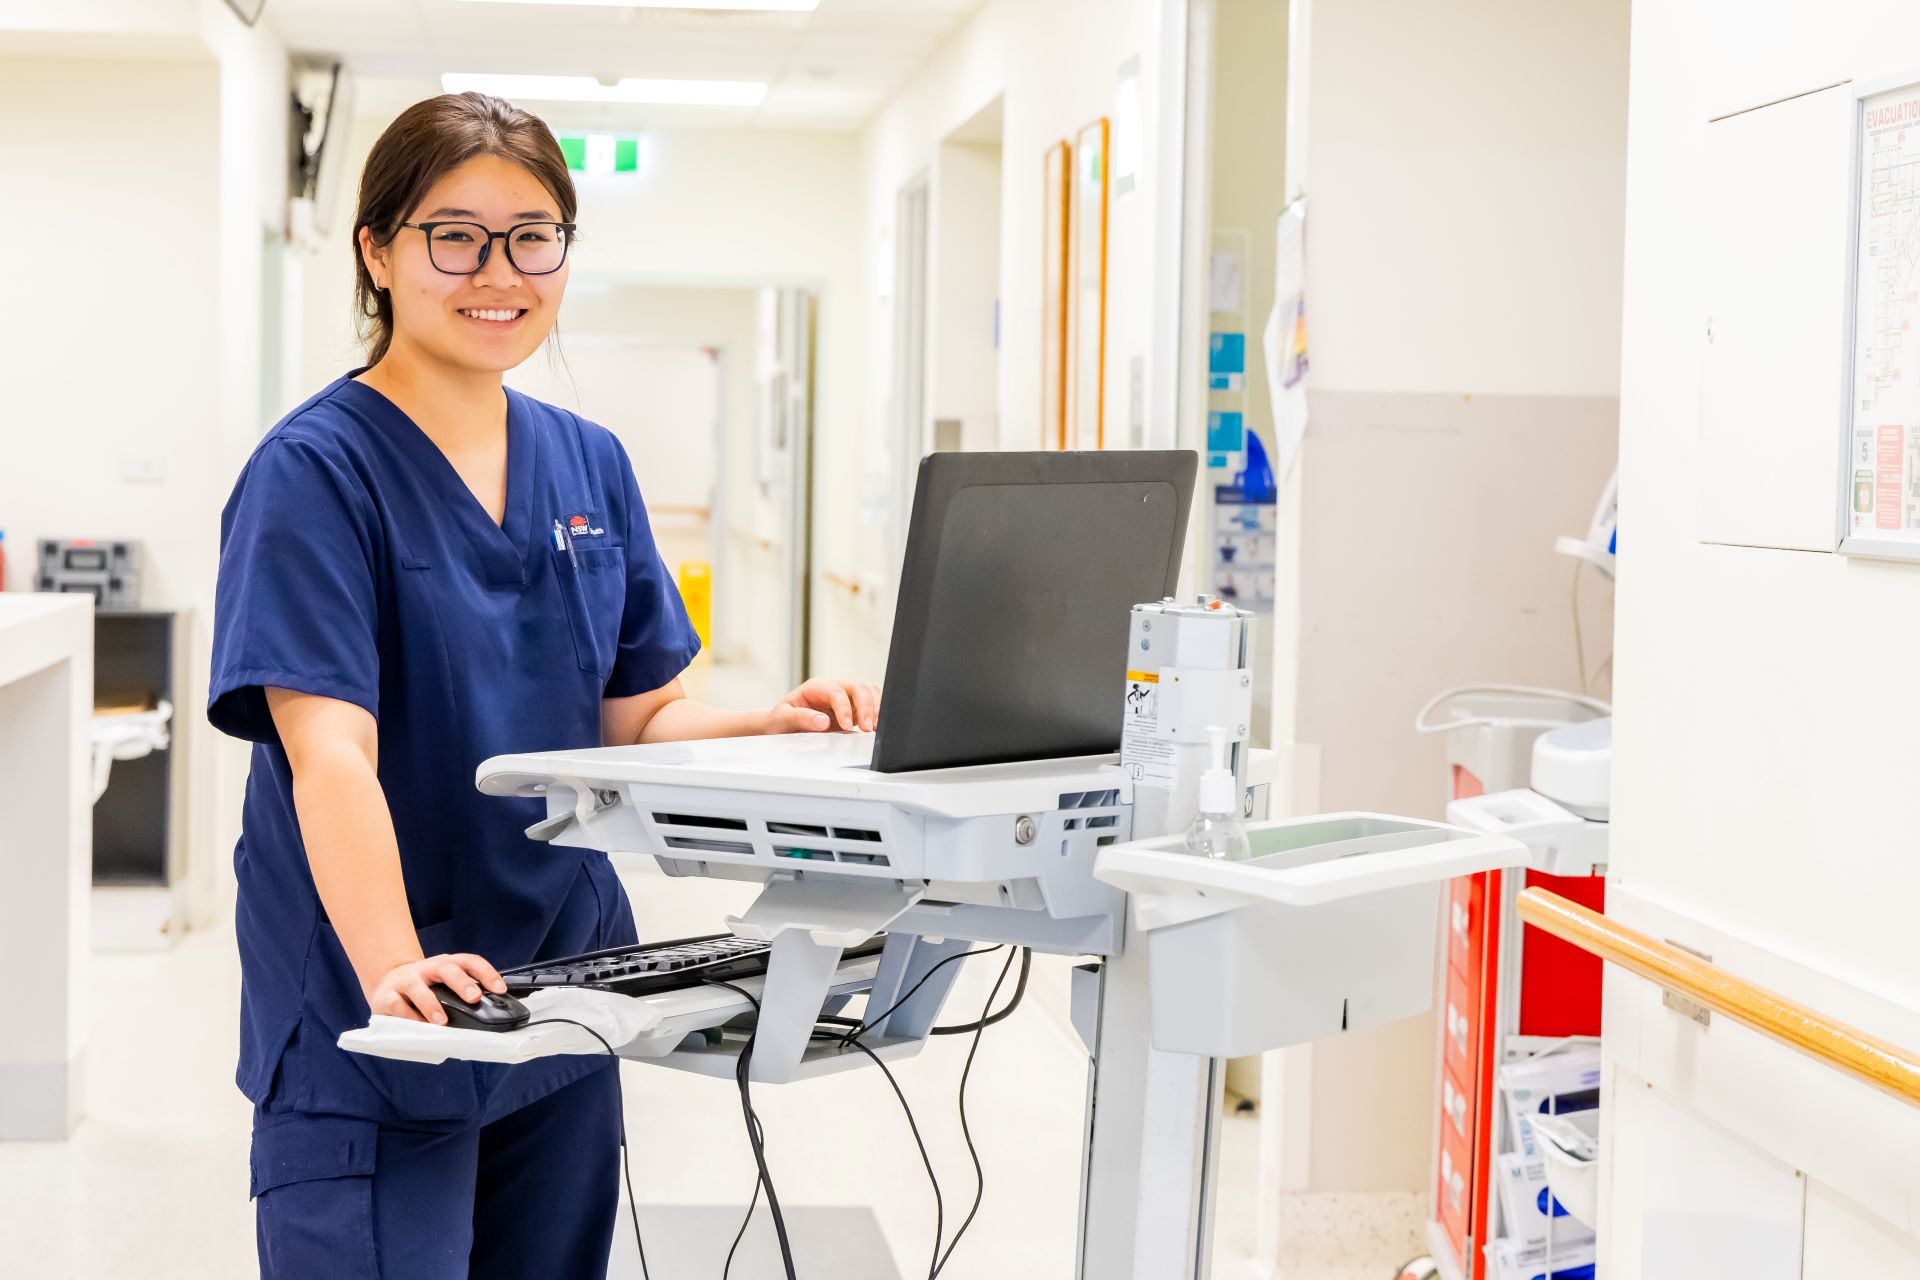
[1217, 831]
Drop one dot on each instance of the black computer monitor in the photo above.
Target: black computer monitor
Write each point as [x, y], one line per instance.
[1010, 630]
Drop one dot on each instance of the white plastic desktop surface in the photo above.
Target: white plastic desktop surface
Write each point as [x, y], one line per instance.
[826, 765]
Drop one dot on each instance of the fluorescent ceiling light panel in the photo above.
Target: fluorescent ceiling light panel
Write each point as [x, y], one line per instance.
[678, 93]
[759, 6]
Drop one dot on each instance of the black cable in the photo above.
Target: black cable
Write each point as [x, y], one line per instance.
[939, 1201]
[245, 21]
[979, 1172]
[633, 1205]
[754, 1138]
[1019, 991]
[869, 1020]
[752, 1202]
[739, 991]
[755, 1134]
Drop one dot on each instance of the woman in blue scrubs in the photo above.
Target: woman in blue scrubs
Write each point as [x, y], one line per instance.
[421, 569]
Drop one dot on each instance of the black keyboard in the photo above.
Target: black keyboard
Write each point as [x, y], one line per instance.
[658, 966]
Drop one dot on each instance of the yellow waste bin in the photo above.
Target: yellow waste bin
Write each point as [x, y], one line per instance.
[696, 592]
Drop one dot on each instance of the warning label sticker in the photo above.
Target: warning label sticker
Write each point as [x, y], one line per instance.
[1143, 753]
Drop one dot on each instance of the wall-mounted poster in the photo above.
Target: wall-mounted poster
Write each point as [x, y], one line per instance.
[1880, 492]
[1054, 231]
[1089, 283]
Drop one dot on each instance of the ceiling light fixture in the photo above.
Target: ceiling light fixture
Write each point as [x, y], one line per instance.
[763, 6]
[677, 93]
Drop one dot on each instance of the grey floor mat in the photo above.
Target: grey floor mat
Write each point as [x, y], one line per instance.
[689, 1242]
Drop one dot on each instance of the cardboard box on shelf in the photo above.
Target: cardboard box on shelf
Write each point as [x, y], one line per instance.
[1569, 1257]
[1551, 1082]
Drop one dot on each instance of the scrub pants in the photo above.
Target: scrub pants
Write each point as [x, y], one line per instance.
[532, 1194]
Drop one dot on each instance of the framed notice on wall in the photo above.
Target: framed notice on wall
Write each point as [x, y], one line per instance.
[1088, 297]
[1057, 185]
[1880, 496]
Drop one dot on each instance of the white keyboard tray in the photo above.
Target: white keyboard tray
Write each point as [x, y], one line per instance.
[665, 1028]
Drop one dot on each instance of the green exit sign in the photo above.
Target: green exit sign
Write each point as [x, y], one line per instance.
[600, 152]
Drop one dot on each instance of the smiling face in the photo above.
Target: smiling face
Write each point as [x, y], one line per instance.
[495, 318]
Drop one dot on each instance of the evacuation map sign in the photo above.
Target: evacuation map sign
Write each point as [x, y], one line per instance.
[1883, 456]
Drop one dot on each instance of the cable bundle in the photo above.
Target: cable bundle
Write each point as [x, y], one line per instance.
[846, 1033]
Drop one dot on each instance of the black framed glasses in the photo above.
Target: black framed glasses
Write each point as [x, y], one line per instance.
[462, 248]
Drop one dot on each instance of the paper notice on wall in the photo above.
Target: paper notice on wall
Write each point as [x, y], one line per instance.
[1882, 503]
[1283, 342]
[1223, 282]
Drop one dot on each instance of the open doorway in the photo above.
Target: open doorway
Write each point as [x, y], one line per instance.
[946, 305]
[655, 396]
[911, 435]
[709, 390]
[963, 321]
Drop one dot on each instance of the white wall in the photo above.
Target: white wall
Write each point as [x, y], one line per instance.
[1764, 803]
[1463, 168]
[963, 348]
[1056, 67]
[167, 176]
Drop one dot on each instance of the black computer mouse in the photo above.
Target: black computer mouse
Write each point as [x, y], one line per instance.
[492, 1013]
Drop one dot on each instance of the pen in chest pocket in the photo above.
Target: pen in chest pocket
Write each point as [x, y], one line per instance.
[561, 542]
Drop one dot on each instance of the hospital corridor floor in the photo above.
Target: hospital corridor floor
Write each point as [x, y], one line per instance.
[153, 1186]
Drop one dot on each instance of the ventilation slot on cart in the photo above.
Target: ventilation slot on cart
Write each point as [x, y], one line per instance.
[1089, 800]
[856, 833]
[865, 859]
[1104, 820]
[692, 845]
[795, 829]
[804, 855]
[699, 820]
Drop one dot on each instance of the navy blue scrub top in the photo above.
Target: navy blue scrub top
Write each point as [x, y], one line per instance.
[356, 564]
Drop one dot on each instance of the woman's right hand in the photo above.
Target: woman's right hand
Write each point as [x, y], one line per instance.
[403, 991]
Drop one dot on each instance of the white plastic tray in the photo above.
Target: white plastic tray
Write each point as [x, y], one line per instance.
[1329, 927]
[1559, 841]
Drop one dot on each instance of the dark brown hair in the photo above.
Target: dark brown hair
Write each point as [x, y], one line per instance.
[426, 142]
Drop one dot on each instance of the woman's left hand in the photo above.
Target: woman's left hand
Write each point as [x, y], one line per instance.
[822, 705]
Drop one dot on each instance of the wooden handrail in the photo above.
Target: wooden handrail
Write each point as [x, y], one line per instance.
[1885, 1066]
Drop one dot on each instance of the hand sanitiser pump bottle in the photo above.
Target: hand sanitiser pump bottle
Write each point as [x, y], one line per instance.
[1217, 831]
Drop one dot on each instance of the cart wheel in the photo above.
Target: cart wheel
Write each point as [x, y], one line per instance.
[1421, 1268]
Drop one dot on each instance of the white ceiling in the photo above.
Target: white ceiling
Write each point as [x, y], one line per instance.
[829, 69]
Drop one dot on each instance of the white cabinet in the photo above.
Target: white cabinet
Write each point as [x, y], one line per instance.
[1779, 182]
[1845, 1242]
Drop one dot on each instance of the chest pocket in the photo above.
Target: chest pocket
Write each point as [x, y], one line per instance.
[593, 585]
